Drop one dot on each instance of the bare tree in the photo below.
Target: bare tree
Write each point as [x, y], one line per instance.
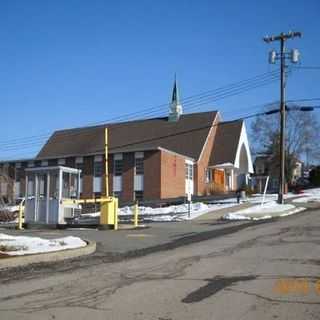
[302, 134]
[6, 181]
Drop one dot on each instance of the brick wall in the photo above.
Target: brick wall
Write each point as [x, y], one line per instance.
[200, 185]
[127, 177]
[164, 173]
[87, 190]
[152, 175]
[172, 175]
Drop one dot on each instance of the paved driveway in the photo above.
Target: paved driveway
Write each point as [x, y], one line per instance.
[225, 271]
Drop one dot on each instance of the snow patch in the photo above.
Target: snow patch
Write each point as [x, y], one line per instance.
[169, 213]
[266, 211]
[310, 195]
[22, 245]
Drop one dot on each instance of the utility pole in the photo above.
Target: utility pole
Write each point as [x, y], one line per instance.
[282, 56]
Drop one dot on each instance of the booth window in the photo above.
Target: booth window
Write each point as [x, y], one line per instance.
[42, 185]
[69, 185]
[54, 186]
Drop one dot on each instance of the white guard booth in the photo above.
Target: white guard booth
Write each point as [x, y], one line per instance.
[46, 188]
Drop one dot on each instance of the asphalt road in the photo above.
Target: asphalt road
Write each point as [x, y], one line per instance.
[232, 271]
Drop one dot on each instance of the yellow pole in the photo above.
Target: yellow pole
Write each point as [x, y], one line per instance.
[106, 161]
[20, 218]
[136, 211]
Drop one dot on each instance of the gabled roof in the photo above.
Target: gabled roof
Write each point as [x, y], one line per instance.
[186, 137]
[226, 143]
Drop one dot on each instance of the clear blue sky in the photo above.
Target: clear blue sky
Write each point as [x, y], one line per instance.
[69, 63]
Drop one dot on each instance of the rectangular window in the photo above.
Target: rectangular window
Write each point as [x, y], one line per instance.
[97, 177]
[30, 164]
[17, 189]
[79, 160]
[117, 172]
[54, 186]
[61, 162]
[138, 195]
[118, 167]
[44, 163]
[208, 175]
[139, 166]
[19, 174]
[97, 169]
[188, 171]
[42, 185]
[30, 187]
[80, 166]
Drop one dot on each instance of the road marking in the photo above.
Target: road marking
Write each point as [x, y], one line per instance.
[139, 235]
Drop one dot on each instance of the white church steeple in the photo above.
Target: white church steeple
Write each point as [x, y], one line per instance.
[175, 106]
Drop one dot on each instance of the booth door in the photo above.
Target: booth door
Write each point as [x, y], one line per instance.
[41, 199]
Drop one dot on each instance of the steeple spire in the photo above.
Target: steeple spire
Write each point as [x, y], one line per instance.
[175, 92]
[175, 107]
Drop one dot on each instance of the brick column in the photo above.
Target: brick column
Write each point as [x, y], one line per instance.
[128, 177]
[87, 191]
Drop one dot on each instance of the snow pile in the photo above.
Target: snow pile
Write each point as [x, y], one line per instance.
[268, 210]
[269, 197]
[169, 213]
[175, 212]
[21, 245]
[311, 195]
[258, 197]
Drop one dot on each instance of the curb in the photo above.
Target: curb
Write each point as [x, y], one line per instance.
[18, 261]
[293, 211]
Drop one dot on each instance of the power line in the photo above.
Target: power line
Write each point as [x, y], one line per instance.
[265, 113]
[245, 117]
[227, 93]
[186, 100]
[304, 100]
[307, 68]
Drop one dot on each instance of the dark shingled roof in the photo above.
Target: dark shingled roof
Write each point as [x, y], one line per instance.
[186, 137]
[226, 142]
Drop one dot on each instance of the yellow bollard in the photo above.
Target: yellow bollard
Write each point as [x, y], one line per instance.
[20, 217]
[135, 214]
[115, 213]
